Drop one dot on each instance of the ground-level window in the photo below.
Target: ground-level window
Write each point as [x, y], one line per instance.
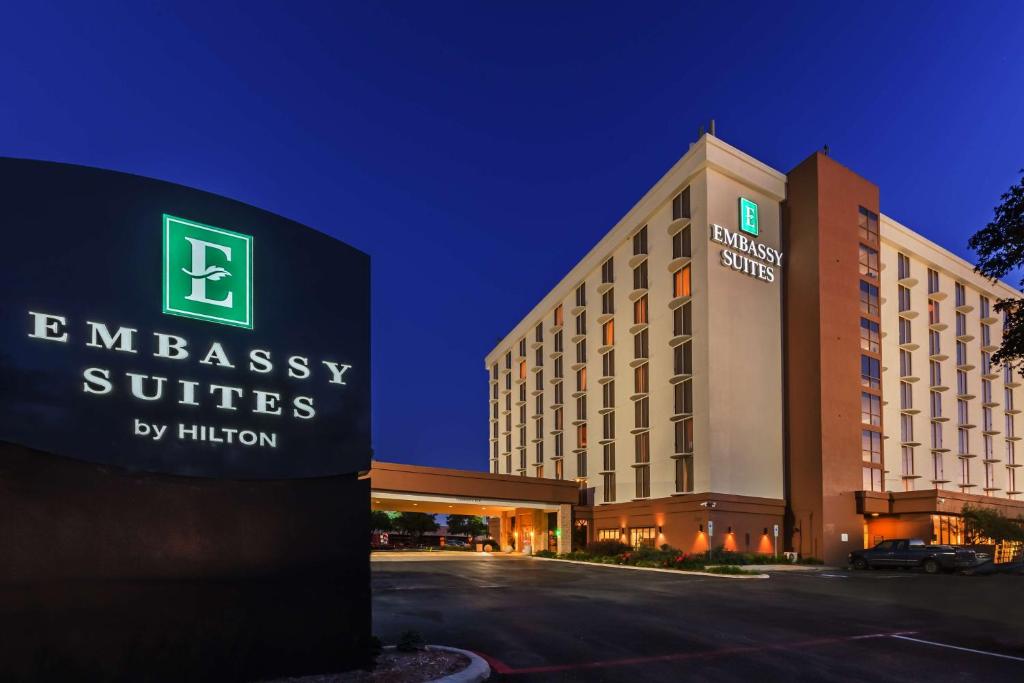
[644, 536]
[607, 534]
[947, 529]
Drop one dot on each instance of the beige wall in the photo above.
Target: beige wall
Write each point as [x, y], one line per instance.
[737, 336]
[924, 254]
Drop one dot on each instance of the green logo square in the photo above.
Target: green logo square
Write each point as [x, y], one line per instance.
[207, 273]
[748, 216]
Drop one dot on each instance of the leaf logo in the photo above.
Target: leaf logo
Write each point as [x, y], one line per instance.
[212, 273]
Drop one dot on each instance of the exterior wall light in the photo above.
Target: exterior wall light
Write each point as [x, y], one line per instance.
[730, 530]
[659, 529]
[700, 527]
[766, 531]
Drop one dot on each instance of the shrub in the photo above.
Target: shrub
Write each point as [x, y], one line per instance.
[410, 641]
[546, 553]
[606, 548]
[727, 569]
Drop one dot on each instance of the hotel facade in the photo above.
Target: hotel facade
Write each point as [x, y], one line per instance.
[761, 361]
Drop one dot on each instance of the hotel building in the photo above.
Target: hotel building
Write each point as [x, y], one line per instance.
[762, 361]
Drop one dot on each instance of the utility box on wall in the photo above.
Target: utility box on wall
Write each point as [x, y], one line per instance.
[184, 411]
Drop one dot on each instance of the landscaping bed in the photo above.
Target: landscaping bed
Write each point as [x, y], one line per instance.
[718, 561]
[396, 666]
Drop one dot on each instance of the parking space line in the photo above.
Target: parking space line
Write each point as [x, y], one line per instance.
[502, 668]
[957, 647]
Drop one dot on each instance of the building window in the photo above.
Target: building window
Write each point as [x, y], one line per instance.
[933, 313]
[961, 411]
[641, 383]
[558, 368]
[558, 318]
[642, 537]
[581, 323]
[868, 226]
[681, 320]
[960, 294]
[870, 409]
[559, 470]
[868, 262]
[936, 436]
[871, 446]
[683, 397]
[906, 429]
[963, 441]
[869, 336]
[608, 425]
[609, 497]
[936, 404]
[539, 471]
[684, 436]
[681, 282]
[682, 359]
[681, 205]
[581, 379]
[640, 310]
[609, 457]
[908, 461]
[642, 444]
[902, 266]
[906, 364]
[608, 363]
[581, 295]
[904, 298]
[965, 472]
[640, 276]
[933, 281]
[538, 333]
[961, 383]
[905, 333]
[868, 298]
[684, 474]
[640, 242]
[522, 369]
[581, 351]
[681, 243]
[558, 341]
[642, 413]
[608, 302]
[608, 271]
[935, 373]
[938, 471]
[870, 372]
[906, 396]
[961, 325]
[985, 307]
[581, 408]
[643, 481]
[872, 479]
[608, 391]
[961, 353]
[581, 464]
[640, 345]
[559, 445]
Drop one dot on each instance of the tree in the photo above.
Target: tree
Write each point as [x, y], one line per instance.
[984, 523]
[468, 525]
[380, 521]
[1000, 249]
[415, 523]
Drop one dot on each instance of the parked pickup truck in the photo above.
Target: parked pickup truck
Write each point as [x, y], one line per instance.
[913, 552]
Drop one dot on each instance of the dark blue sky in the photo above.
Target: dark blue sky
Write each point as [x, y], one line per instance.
[477, 150]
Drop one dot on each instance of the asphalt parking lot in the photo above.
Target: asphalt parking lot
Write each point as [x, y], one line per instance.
[550, 621]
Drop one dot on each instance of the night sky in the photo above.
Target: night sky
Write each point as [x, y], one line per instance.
[477, 150]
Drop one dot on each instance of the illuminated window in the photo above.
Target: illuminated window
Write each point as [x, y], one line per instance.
[642, 537]
[581, 379]
[641, 382]
[581, 437]
[608, 334]
[559, 471]
[640, 310]
[642, 443]
[558, 319]
[608, 534]
[539, 471]
[522, 369]
[681, 282]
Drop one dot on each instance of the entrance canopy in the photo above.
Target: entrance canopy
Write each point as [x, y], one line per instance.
[414, 488]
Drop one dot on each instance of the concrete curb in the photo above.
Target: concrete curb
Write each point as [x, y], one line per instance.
[478, 670]
[677, 572]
